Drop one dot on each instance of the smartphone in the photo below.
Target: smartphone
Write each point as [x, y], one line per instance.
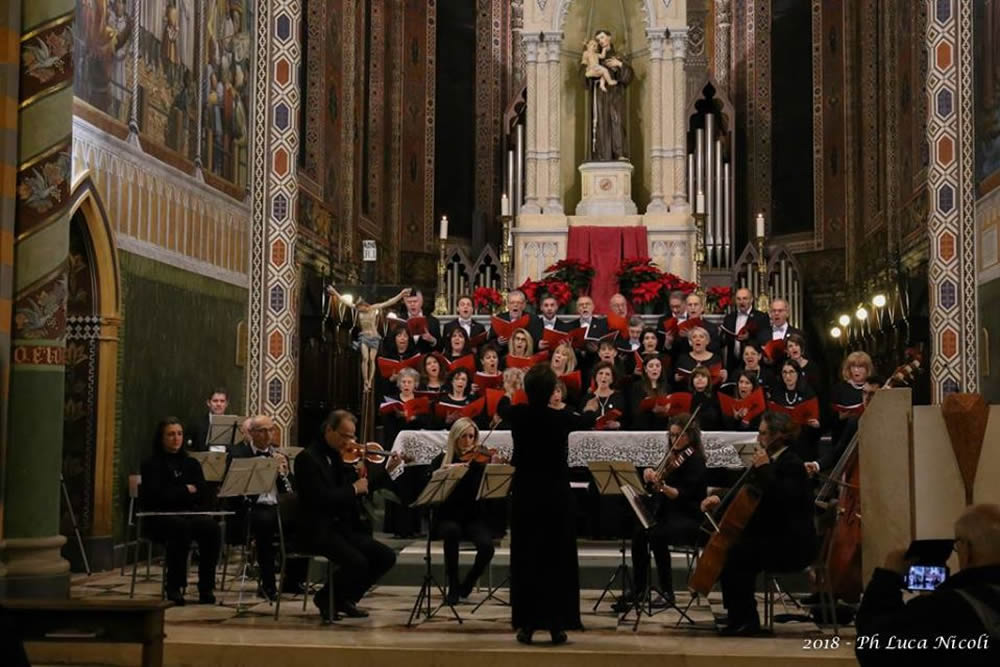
[925, 577]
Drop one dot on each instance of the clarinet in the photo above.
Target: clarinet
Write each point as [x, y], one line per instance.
[285, 479]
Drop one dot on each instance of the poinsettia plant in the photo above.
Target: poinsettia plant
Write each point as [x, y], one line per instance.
[718, 298]
[532, 290]
[576, 273]
[634, 271]
[559, 290]
[672, 282]
[486, 298]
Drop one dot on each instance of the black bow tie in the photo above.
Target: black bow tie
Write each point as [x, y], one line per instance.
[260, 453]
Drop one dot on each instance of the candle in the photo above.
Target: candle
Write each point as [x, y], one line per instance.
[760, 224]
[504, 205]
[444, 228]
[700, 203]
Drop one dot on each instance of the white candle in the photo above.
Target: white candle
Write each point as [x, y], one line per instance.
[444, 228]
[760, 224]
[504, 205]
[700, 203]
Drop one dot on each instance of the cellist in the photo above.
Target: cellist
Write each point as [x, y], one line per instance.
[779, 536]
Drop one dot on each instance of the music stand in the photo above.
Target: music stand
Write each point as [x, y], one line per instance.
[252, 476]
[609, 478]
[213, 465]
[222, 430]
[440, 486]
[643, 604]
[495, 485]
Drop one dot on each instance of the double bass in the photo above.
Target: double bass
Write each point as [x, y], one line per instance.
[840, 521]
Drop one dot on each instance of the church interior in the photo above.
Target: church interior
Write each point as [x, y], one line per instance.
[253, 214]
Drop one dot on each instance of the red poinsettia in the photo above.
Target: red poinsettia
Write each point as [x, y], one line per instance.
[486, 297]
[531, 290]
[646, 292]
[634, 271]
[672, 282]
[719, 298]
[576, 273]
[559, 290]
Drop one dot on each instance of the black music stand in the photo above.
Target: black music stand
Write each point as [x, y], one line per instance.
[442, 483]
[643, 604]
[494, 485]
[222, 431]
[609, 478]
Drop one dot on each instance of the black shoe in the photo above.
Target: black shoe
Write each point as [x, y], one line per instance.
[623, 604]
[742, 630]
[465, 590]
[451, 598]
[350, 610]
[558, 637]
[269, 593]
[524, 635]
[322, 603]
[206, 597]
[176, 597]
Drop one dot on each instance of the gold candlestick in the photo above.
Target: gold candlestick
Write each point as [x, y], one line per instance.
[506, 255]
[699, 250]
[440, 299]
[763, 301]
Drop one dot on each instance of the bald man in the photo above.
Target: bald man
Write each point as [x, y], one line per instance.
[754, 325]
[618, 305]
[958, 624]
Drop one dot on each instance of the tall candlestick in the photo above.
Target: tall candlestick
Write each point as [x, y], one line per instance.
[700, 203]
[504, 205]
[760, 224]
[444, 228]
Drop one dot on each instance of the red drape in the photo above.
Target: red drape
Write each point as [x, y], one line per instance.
[605, 248]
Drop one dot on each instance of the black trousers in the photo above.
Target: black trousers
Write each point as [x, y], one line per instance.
[264, 528]
[361, 561]
[476, 531]
[676, 529]
[739, 576]
[176, 533]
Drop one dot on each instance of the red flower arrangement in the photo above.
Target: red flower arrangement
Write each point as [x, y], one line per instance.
[576, 273]
[486, 298]
[672, 282]
[531, 290]
[647, 292]
[559, 290]
[719, 298]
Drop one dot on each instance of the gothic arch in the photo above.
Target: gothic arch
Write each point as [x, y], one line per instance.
[96, 333]
[562, 9]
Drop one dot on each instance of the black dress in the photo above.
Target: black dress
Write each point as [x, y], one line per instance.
[165, 478]
[545, 581]
[644, 420]
[807, 444]
[685, 364]
[614, 401]
[710, 414]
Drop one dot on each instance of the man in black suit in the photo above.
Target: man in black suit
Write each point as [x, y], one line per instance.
[263, 509]
[197, 430]
[464, 320]
[757, 323]
[330, 492]
[549, 319]
[429, 340]
[780, 328]
[780, 537]
[596, 328]
[516, 303]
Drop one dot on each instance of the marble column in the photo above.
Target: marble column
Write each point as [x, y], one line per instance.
[532, 46]
[678, 39]
[553, 193]
[658, 113]
[31, 494]
[723, 25]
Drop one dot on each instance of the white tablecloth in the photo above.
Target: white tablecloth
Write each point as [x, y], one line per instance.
[640, 447]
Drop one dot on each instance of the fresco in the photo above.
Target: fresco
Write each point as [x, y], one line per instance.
[986, 45]
[102, 34]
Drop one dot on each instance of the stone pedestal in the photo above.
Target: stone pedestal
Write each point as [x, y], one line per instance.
[607, 189]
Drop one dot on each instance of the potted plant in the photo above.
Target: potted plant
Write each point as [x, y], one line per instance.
[718, 299]
[486, 300]
[575, 273]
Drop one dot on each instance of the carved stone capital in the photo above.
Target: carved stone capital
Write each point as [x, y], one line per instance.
[531, 41]
[656, 39]
[679, 40]
[553, 44]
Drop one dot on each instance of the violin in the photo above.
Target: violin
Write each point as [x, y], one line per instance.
[673, 459]
[478, 454]
[371, 452]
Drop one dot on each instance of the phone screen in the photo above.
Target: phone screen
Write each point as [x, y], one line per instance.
[925, 577]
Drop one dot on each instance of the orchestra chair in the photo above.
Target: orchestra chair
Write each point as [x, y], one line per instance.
[288, 550]
[773, 589]
[131, 530]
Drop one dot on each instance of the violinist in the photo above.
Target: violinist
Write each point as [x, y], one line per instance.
[460, 516]
[330, 489]
[677, 494]
[780, 536]
[704, 400]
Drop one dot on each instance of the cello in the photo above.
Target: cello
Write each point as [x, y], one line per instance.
[841, 518]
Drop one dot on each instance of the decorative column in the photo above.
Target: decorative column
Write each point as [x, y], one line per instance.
[532, 205]
[951, 222]
[723, 25]
[517, 46]
[273, 308]
[678, 39]
[31, 493]
[658, 112]
[553, 199]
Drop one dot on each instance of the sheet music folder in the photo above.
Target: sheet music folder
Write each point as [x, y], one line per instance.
[611, 476]
[213, 464]
[440, 486]
[495, 482]
[251, 476]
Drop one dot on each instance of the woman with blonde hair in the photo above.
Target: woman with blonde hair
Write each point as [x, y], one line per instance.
[848, 395]
[521, 344]
[460, 516]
